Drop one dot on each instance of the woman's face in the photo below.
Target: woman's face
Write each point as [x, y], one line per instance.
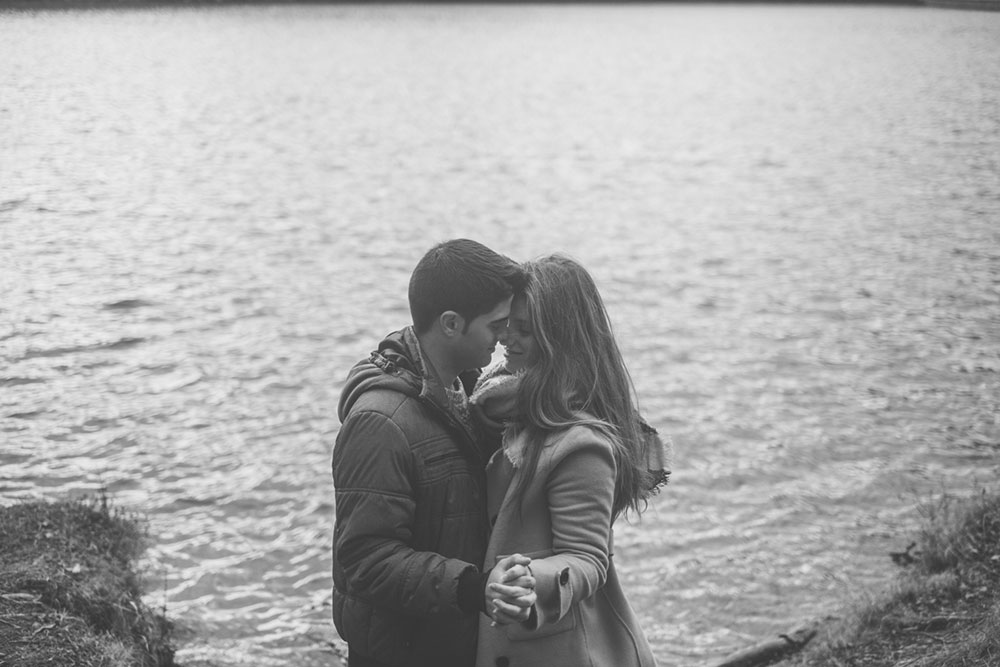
[519, 339]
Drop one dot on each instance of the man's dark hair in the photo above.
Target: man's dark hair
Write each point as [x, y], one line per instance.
[464, 276]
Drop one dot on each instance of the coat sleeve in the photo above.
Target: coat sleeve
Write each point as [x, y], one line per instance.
[580, 490]
[375, 508]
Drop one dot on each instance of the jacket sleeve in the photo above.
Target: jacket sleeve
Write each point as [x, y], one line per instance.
[580, 490]
[375, 507]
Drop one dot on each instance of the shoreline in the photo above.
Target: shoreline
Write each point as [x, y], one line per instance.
[70, 594]
[942, 609]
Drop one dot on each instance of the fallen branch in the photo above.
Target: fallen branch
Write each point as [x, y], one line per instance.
[767, 651]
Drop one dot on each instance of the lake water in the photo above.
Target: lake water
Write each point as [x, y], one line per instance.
[207, 215]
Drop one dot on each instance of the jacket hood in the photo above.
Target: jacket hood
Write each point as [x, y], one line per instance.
[395, 366]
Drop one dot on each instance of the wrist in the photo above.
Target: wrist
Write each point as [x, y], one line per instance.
[471, 591]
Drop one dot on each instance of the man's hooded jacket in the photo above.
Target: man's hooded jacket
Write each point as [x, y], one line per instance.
[411, 528]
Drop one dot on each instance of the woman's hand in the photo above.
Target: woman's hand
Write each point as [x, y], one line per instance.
[510, 590]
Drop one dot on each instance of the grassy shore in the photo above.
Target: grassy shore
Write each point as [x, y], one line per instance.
[943, 609]
[70, 596]
[69, 592]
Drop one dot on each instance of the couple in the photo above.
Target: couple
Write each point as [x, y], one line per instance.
[474, 510]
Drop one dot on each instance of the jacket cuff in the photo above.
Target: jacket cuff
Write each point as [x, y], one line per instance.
[554, 587]
[472, 590]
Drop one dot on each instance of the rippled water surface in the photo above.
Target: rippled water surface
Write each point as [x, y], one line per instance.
[206, 216]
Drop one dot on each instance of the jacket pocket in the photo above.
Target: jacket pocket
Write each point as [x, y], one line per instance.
[441, 457]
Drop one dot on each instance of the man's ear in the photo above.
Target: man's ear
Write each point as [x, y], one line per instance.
[452, 324]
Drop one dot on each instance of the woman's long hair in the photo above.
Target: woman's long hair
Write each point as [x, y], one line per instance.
[578, 368]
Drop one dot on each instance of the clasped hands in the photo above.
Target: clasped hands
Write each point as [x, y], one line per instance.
[510, 590]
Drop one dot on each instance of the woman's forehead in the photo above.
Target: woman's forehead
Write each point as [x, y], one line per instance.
[519, 308]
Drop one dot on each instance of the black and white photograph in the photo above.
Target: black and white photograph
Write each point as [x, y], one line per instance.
[499, 334]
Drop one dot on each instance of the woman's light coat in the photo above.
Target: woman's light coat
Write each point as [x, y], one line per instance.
[564, 523]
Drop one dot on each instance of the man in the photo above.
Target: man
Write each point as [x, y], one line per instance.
[409, 472]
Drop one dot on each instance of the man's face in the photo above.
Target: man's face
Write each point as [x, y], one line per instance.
[475, 347]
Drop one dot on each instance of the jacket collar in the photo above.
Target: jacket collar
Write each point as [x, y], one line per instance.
[399, 364]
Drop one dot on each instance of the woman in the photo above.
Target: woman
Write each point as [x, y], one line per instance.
[574, 458]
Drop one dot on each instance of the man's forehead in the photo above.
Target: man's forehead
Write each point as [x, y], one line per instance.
[500, 312]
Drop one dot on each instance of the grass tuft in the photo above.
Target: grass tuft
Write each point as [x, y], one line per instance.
[69, 594]
[943, 610]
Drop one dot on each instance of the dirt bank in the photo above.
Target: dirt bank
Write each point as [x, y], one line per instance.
[69, 592]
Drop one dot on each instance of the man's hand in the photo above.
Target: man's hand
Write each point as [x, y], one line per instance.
[510, 590]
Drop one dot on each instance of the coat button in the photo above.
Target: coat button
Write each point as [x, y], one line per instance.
[503, 661]
[564, 577]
